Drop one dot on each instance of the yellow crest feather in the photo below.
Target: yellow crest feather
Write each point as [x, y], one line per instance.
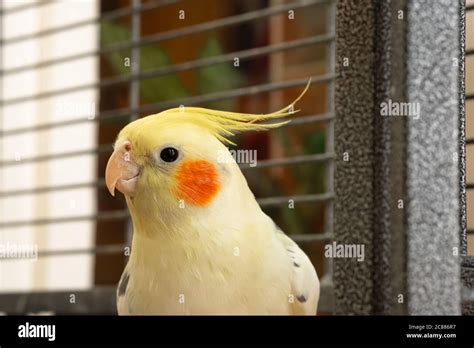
[223, 124]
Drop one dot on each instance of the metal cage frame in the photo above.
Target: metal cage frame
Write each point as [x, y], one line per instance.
[407, 51]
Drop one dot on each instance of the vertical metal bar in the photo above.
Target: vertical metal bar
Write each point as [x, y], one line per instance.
[369, 172]
[135, 59]
[389, 159]
[433, 224]
[354, 138]
[467, 266]
[382, 147]
[396, 304]
[462, 125]
[135, 83]
[329, 144]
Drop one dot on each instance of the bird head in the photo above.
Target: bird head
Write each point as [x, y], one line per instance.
[172, 159]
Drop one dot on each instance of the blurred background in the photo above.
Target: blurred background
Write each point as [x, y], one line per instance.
[74, 72]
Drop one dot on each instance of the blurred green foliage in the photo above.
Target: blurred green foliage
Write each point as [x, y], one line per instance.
[169, 87]
[219, 77]
[152, 57]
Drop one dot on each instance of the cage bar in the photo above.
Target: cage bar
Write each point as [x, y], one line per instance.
[123, 113]
[29, 302]
[115, 14]
[212, 25]
[206, 62]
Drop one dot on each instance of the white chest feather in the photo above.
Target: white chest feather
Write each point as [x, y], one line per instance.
[223, 276]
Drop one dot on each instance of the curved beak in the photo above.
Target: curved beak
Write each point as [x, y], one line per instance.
[121, 172]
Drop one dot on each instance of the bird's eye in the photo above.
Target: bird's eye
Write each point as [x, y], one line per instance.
[169, 154]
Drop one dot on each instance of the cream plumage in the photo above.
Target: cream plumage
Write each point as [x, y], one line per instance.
[201, 243]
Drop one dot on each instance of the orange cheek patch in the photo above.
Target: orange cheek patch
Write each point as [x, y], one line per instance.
[197, 182]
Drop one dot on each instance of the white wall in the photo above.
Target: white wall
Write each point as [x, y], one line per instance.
[65, 272]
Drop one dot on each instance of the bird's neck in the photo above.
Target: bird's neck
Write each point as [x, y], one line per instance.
[194, 230]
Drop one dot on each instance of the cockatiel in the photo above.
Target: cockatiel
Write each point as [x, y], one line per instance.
[201, 243]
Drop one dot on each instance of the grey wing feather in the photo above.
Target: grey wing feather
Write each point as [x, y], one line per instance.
[122, 303]
[304, 280]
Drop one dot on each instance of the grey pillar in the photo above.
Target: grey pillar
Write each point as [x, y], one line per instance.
[467, 270]
[370, 171]
[354, 136]
[433, 168]
[397, 178]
